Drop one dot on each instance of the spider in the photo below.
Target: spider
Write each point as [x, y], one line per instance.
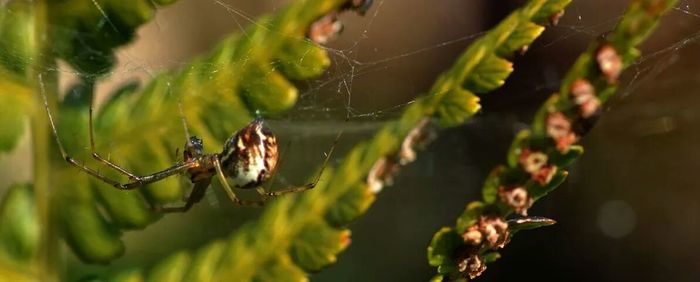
[249, 158]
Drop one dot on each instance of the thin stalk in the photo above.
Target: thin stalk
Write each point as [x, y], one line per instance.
[46, 83]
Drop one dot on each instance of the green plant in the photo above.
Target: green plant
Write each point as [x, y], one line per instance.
[217, 89]
[537, 157]
[221, 91]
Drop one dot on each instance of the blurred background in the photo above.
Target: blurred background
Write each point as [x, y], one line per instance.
[629, 211]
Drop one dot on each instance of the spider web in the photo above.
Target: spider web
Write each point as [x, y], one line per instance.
[383, 61]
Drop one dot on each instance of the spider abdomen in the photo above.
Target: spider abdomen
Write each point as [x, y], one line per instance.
[250, 155]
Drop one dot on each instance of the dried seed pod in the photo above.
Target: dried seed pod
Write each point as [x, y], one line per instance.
[559, 129]
[535, 163]
[471, 266]
[523, 49]
[609, 62]
[531, 161]
[555, 17]
[517, 198]
[419, 137]
[585, 97]
[472, 236]
[545, 174]
[495, 231]
[325, 29]
[382, 173]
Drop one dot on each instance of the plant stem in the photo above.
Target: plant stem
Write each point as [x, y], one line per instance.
[45, 83]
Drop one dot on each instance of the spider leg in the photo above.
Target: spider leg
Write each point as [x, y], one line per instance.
[194, 197]
[229, 191]
[190, 202]
[138, 180]
[318, 177]
[148, 179]
[98, 157]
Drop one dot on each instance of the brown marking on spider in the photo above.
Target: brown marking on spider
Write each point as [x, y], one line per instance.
[249, 158]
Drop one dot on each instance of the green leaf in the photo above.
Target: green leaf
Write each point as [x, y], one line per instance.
[489, 191]
[127, 276]
[85, 33]
[469, 216]
[548, 9]
[317, 245]
[280, 269]
[204, 262]
[312, 64]
[19, 231]
[457, 105]
[537, 191]
[89, 234]
[15, 106]
[565, 159]
[521, 37]
[173, 268]
[350, 206]
[17, 30]
[520, 142]
[443, 246]
[264, 88]
[490, 257]
[490, 73]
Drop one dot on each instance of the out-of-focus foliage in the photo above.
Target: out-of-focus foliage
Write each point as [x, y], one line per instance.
[460, 252]
[219, 92]
[18, 48]
[85, 33]
[19, 231]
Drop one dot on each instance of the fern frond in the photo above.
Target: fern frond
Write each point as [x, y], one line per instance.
[140, 127]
